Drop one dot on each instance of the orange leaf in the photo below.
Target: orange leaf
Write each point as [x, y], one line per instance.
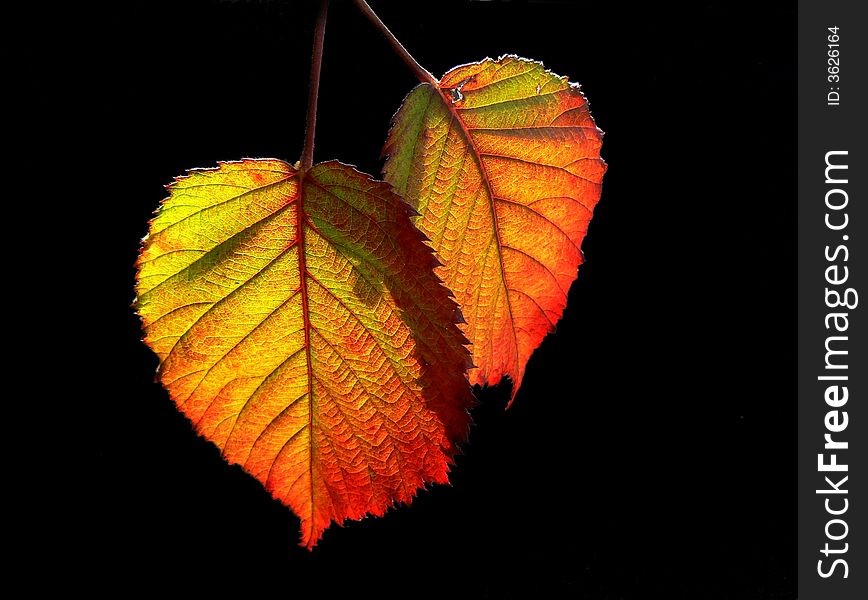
[502, 161]
[300, 327]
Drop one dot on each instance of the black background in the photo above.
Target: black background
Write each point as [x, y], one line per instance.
[651, 449]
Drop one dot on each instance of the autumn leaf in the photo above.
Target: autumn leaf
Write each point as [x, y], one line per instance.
[502, 161]
[301, 329]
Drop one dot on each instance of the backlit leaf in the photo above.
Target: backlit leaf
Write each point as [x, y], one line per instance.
[301, 329]
[502, 161]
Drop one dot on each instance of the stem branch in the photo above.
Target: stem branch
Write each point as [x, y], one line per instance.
[313, 92]
[420, 72]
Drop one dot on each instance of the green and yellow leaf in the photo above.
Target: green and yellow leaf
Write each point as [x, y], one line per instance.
[299, 326]
[502, 161]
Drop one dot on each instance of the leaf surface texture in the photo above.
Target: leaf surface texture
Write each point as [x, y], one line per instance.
[502, 161]
[301, 329]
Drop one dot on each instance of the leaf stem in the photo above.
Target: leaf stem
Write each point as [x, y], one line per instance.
[313, 92]
[420, 72]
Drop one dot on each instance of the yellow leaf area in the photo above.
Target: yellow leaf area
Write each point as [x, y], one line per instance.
[502, 161]
[300, 327]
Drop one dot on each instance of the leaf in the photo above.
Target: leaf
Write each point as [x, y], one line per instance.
[502, 161]
[301, 329]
